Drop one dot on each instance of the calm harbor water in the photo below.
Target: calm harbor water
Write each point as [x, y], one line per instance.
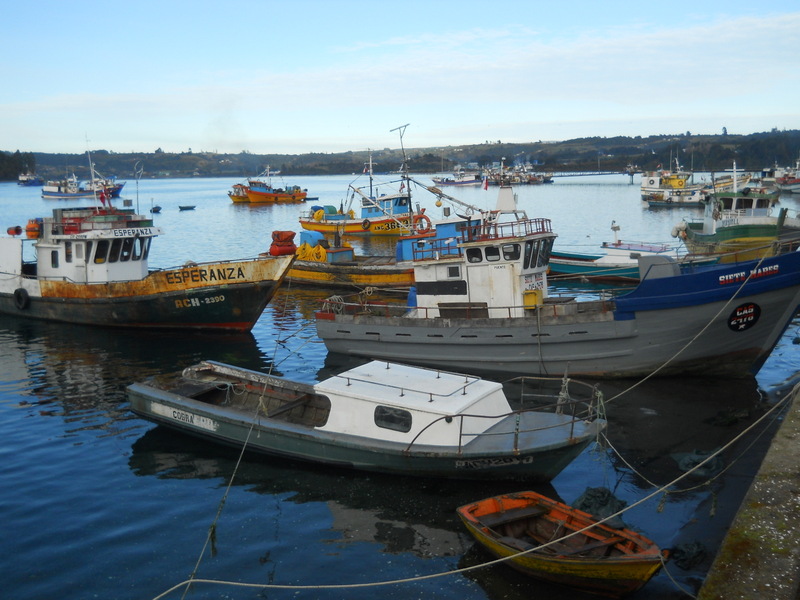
[100, 504]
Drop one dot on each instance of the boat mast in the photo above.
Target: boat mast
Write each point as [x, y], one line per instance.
[406, 179]
[138, 170]
[92, 178]
[369, 167]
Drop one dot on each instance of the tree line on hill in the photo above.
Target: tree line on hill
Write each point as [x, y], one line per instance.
[13, 164]
[752, 152]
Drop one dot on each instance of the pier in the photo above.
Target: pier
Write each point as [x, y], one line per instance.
[759, 557]
[629, 172]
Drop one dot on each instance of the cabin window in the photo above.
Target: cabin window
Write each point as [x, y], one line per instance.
[474, 255]
[116, 247]
[454, 272]
[545, 247]
[79, 251]
[101, 253]
[54, 259]
[392, 418]
[537, 253]
[68, 251]
[127, 248]
[138, 248]
[511, 252]
[492, 253]
[88, 250]
[526, 262]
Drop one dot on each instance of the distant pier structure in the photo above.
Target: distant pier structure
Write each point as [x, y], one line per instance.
[630, 170]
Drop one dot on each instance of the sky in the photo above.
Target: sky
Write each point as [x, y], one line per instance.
[329, 76]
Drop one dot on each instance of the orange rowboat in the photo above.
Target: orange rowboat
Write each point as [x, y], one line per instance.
[601, 560]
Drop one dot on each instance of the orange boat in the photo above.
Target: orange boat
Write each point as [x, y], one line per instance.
[238, 193]
[261, 191]
[602, 560]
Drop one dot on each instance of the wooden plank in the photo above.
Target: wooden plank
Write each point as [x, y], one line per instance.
[514, 514]
[192, 389]
[289, 406]
[592, 545]
[515, 543]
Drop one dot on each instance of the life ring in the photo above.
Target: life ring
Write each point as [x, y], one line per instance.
[21, 298]
[365, 224]
[651, 182]
[422, 223]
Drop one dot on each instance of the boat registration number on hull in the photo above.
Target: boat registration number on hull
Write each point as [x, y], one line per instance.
[183, 416]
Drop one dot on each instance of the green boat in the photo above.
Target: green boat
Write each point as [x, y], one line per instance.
[746, 225]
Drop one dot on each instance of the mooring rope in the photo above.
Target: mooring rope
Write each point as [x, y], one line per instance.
[715, 475]
[782, 403]
[694, 338]
[660, 490]
[213, 527]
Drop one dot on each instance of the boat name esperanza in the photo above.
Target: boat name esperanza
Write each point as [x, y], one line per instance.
[203, 274]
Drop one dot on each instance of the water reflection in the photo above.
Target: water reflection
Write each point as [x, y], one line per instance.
[649, 427]
[83, 367]
[658, 419]
[363, 507]
[74, 455]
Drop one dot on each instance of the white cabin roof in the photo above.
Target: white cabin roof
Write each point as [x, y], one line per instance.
[393, 384]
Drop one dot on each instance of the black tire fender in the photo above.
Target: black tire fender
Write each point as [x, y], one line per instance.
[21, 298]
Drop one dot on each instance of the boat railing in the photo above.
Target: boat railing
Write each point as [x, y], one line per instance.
[537, 392]
[578, 411]
[490, 229]
[632, 246]
[556, 305]
[479, 231]
[436, 248]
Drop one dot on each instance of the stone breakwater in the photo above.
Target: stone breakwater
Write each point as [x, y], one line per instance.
[760, 556]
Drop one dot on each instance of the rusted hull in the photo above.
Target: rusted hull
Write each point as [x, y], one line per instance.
[220, 296]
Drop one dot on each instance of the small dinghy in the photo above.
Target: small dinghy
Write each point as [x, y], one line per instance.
[601, 559]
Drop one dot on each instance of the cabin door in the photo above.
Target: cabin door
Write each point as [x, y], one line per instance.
[78, 258]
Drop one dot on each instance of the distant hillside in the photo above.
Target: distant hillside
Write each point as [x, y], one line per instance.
[697, 152]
